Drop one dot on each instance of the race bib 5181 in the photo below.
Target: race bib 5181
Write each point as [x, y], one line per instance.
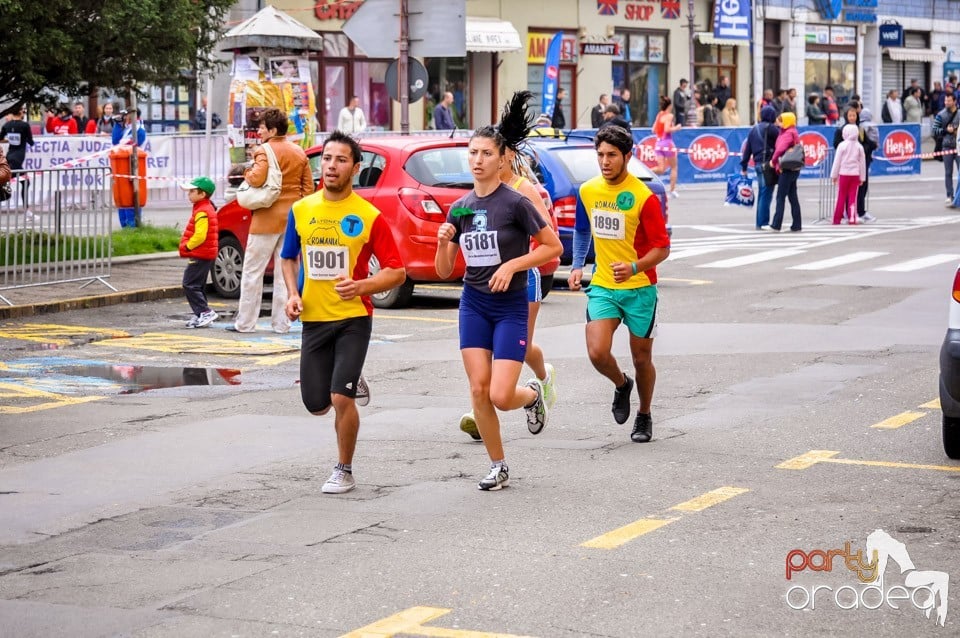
[480, 248]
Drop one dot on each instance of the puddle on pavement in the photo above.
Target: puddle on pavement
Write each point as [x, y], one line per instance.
[134, 379]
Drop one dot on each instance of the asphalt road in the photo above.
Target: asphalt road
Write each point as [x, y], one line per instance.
[795, 411]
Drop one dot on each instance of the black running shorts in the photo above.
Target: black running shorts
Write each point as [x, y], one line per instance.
[331, 359]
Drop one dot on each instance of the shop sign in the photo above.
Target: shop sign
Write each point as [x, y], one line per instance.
[599, 48]
[335, 9]
[843, 36]
[864, 11]
[828, 9]
[537, 44]
[891, 35]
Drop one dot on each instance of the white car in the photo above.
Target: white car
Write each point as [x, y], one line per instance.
[950, 375]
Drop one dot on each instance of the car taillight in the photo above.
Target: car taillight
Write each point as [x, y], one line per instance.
[956, 286]
[566, 210]
[421, 205]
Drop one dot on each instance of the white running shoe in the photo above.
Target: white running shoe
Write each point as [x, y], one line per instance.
[498, 478]
[340, 481]
[206, 318]
[363, 392]
[868, 218]
[550, 387]
[193, 321]
[674, 194]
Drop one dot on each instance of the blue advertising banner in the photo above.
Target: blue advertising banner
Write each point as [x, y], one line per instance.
[711, 154]
[551, 74]
[731, 19]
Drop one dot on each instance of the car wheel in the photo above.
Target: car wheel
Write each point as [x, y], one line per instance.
[398, 297]
[951, 436]
[546, 285]
[228, 268]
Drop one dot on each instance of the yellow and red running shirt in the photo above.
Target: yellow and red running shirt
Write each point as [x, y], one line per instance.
[333, 239]
[626, 222]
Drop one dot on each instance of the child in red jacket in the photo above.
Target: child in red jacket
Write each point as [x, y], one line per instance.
[199, 246]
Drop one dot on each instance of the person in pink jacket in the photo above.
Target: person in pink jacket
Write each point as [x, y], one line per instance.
[787, 182]
[848, 173]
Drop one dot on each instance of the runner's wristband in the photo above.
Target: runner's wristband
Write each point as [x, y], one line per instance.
[633, 265]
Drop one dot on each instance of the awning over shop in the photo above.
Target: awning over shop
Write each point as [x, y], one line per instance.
[490, 35]
[705, 37]
[907, 54]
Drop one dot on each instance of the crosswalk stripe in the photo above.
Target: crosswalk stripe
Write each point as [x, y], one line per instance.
[692, 252]
[917, 264]
[837, 261]
[752, 259]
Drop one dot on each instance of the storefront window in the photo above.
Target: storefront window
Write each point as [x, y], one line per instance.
[710, 61]
[831, 60]
[537, 43]
[343, 71]
[641, 67]
[448, 75]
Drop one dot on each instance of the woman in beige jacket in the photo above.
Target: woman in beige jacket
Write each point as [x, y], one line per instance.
[268, 225]
[729, 116]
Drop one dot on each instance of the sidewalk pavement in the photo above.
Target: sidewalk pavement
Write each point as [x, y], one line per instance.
[136, 278]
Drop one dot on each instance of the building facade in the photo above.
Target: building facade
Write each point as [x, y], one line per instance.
[809, 45]
[801, 44]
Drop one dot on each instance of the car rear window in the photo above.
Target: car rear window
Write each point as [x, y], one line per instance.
[581, 164]
[441, 167]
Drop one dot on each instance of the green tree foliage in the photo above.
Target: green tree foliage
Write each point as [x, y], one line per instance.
[69, 46]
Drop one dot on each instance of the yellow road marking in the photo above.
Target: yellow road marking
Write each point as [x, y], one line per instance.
[811, 458]
[931, 405]
[692, 282]
[179, 343]
[898, 421]
[625, 534]
[807, 460]
[51, 400]
[410, 622]
[276, 360]
[54, 333]
[709, 499]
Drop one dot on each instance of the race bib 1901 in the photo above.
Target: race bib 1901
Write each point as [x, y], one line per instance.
[327, 262]
[480, 248]
[608, 225]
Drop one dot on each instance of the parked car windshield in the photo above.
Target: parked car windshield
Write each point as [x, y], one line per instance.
[441, 167]
[581, 164]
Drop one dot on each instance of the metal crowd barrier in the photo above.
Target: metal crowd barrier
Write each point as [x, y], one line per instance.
[187, 158]
[826, 190]
[56, 228]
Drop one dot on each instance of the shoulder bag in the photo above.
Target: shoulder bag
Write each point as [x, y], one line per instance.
[793, 159]
[258, 197]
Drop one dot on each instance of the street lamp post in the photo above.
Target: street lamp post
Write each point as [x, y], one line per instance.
[690, 21]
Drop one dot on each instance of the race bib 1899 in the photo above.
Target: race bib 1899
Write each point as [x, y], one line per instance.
[608, 225]
[480, 248]
[327, 262]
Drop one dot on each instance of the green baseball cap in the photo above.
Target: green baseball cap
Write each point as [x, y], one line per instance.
[202, 183]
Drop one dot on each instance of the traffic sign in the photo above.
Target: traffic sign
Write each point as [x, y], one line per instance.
[417, 78]
[435, 29]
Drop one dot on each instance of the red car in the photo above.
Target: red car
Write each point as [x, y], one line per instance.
[413, 181]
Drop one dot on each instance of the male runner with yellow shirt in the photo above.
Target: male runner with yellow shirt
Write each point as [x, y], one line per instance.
[337, 231]
[630, 239]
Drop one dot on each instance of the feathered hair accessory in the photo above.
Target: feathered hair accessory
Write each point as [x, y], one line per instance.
[516, 119]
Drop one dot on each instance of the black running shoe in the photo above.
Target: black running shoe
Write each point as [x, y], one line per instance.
[642, 428]
[621, 401]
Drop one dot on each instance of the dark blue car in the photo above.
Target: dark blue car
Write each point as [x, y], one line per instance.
[562, 165]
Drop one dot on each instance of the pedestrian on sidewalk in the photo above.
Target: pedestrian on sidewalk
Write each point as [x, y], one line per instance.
[268, 225]
[848, 173]
[199, 246]
[759, 146]
[786, 179]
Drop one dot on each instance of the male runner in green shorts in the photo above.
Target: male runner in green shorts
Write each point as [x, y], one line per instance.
[630, 238]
